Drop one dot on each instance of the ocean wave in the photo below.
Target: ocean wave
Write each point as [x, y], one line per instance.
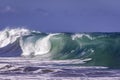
[101, 48]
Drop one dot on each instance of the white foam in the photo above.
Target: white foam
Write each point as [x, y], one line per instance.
[80, 36]
[8, 36]
[43, 46]
[40, 47]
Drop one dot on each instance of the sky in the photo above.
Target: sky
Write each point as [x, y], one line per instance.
[61, 15]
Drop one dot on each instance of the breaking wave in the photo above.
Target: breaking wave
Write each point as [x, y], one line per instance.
[100, 48]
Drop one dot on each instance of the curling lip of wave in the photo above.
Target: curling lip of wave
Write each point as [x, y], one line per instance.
[28, 42]
[40, 47]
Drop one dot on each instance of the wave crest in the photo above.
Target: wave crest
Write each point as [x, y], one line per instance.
[9, 36]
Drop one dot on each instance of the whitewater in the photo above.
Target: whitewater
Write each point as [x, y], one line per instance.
[42, 56]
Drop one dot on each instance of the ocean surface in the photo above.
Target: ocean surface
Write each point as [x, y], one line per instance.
[33, 55]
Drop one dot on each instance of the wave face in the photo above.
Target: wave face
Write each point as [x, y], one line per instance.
[102, 49]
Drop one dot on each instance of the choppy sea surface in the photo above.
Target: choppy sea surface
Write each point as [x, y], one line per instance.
[34, 69]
